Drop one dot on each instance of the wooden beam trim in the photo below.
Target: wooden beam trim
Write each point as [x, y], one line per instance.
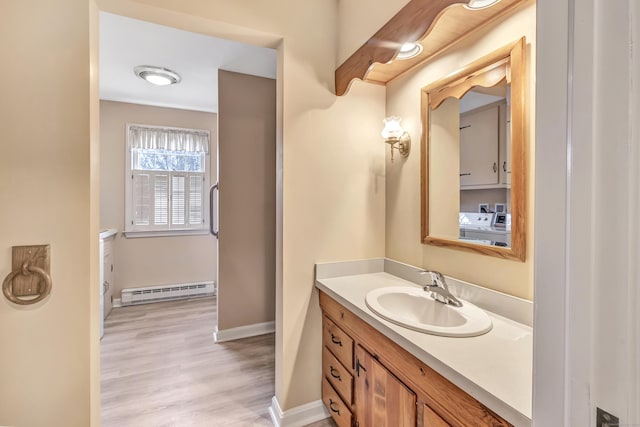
[412, 22]
[460, 39]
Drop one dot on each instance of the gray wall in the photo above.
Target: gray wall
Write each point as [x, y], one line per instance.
[247, 150]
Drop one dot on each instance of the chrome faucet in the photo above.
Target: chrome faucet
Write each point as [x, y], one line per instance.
[439, 289]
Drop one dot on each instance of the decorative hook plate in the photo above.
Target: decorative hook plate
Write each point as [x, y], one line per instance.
[30, 275]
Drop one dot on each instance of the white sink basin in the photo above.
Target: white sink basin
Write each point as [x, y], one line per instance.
[414, 308]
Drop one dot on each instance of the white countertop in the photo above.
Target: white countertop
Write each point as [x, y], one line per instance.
[494, 368]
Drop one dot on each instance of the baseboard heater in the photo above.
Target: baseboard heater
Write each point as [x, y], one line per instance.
[133, 296]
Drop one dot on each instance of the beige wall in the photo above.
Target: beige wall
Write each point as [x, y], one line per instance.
[470, 199]
[47, 350]
[247, 200]
[353, 30]
[403, 182]
[95, 313]
[332, 164]
[332, 193]
[444, 174]
[153, 260]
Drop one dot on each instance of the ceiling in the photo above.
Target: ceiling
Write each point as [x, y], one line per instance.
[126, 43]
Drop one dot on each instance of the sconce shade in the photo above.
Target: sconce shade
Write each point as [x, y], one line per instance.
[392, 128]
[395, 136]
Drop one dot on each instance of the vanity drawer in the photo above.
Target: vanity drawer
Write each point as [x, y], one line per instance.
[339, 377]
[338, 410]
[338, 342]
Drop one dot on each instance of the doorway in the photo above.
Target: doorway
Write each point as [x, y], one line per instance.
[155, 264]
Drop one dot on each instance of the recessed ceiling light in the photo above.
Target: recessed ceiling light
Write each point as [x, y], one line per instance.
[158, 76]
[480, 4]
[409, 50]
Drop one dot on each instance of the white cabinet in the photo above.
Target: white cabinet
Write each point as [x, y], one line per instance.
[479, 147]
[505, 146]
[485, 148]
[107, 282]
[107, 238]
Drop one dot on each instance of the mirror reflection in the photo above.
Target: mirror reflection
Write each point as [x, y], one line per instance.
[470, 152]
[485, 210]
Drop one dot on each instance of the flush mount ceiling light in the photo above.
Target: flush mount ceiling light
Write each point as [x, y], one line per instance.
[158, 76]
[480, 4]
[409, 50]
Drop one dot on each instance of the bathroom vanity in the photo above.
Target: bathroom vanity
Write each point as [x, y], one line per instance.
[376, 373]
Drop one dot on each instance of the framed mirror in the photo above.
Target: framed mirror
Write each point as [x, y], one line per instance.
[473, 177]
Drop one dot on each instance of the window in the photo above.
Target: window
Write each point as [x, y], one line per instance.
[167, 174]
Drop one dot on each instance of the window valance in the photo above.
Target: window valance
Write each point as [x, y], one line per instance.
[171, 139]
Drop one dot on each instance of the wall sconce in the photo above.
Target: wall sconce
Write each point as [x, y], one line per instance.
[394, 134]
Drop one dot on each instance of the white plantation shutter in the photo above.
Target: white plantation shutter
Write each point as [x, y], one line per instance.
[167, 168]
[178, 201]
[141, 199]
[161, 200]
[195, 200]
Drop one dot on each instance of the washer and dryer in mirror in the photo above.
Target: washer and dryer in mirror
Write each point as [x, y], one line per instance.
[486, 228]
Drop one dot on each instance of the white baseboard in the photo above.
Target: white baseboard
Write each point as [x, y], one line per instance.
[299, 416]
[244, 331]
[117, 302]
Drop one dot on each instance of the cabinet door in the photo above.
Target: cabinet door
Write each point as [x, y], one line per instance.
[505, 145]
[479, 147]
[107, 283]
[381, 400]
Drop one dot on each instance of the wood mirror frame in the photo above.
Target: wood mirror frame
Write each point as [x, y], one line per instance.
[507, 62]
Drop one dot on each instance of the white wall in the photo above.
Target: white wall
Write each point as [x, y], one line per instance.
[586, 290]
[615, 251]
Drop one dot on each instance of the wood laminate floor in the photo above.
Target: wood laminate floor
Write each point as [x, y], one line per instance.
[161, 368]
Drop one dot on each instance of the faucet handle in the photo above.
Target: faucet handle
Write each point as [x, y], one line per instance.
[434, 280]
[425, 273]
[438, 276]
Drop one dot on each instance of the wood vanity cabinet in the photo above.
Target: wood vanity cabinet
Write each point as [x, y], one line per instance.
[370, 381]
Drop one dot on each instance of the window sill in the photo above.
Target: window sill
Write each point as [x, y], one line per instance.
[164, 233]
